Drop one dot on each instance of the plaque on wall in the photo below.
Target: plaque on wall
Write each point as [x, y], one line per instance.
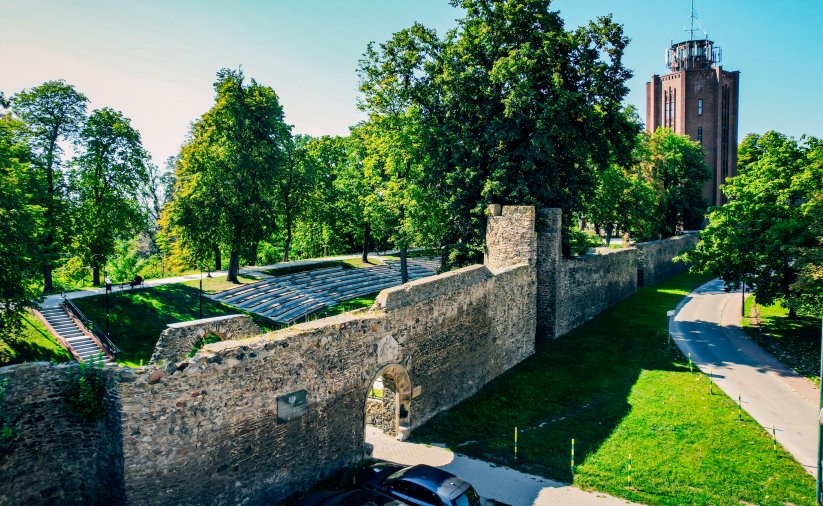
[291, 406]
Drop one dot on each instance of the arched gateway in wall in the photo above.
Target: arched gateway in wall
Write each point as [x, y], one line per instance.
[388, 407]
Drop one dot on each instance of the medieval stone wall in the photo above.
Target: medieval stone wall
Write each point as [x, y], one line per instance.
[589, 284]
[53, 455]
[655, 258]
[206, 431]
[178, 340]
[209, 429]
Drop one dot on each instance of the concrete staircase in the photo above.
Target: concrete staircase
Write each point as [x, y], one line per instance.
[69, 331]
[288, 298]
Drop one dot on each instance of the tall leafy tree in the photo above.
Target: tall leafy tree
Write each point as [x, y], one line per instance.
[21, 222]
[760, 235]
[294, 187]
[105, 182]
[623, 203]
[676, 166]
[54, 112]
[515, 109]
[229, 169]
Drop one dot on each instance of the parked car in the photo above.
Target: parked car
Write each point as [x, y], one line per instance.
[360, 497]
[419, 485]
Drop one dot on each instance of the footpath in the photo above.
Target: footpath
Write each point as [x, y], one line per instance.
[707, 325]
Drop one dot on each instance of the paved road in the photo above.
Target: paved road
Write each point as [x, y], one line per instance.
[499, 483]
[707, 325]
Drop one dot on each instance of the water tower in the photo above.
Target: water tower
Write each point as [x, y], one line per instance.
[699, 99]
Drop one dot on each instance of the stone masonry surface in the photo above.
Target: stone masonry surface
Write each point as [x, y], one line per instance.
[205, 429]
[177, 341]
[54, 456]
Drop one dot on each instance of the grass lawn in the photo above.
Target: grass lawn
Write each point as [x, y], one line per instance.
[612, 386]
[349, 263]
[139, 316]
[796, 343]
[343, 307]
[218, 283]
[34, 343]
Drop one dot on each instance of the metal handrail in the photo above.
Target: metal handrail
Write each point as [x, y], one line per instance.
[92, 327]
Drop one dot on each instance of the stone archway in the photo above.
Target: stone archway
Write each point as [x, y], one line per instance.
[388, 407]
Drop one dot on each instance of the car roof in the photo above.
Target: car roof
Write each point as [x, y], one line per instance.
[444, 482]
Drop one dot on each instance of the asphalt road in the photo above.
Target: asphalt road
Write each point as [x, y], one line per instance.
[707, 325]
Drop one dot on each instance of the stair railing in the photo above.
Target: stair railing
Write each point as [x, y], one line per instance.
[92, 327]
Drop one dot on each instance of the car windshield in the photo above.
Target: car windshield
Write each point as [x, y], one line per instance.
[467, 498]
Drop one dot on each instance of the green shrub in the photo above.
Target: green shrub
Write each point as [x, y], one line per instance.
[207, 339]
[86, 390]
[581, 240]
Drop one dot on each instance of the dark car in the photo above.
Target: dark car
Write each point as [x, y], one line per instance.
[351, 498]
[418, 485]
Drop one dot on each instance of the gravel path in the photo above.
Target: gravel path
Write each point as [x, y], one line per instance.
[502, 484]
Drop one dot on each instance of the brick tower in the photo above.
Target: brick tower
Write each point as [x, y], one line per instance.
[699, 99]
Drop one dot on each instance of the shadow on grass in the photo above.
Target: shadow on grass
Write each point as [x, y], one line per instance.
[137, 318]
[573, 387]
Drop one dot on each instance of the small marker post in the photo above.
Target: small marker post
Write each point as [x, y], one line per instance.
[572, 457]
[774, 440]
[711, 382]
[739, 413]
[690, 363]
[515, 443]
[629, 471]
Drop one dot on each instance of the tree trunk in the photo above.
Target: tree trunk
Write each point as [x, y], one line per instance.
[48, 284]
[287, 246]
[218, 261]
[404, 266]
[234, 267]
[609, 231]
[366, 237]
[95, 276]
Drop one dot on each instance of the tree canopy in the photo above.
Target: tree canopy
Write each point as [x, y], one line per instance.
[768, 232]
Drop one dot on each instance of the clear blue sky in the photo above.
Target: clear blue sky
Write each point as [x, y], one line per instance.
[156, 60]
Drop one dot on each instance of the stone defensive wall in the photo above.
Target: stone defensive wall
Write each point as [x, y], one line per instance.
[251, 421]
[572, 291]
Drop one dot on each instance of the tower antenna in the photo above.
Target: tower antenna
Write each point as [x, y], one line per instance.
[691, 30]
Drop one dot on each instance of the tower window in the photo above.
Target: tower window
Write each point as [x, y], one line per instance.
[700, 135]
[700, 107]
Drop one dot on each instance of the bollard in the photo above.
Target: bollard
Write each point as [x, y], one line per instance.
[774, 440]
[572, 456]
[711, 382]
[690, 363]
[739, 403]
[629, 471]
[515, 443]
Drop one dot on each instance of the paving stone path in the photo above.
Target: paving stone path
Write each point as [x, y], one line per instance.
[290, 297]
[503, 484]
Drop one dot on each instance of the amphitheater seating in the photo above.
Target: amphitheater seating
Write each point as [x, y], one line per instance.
[288, 298]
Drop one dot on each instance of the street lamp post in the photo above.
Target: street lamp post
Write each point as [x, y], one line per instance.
[201, 292]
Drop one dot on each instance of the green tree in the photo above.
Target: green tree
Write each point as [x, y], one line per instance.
[21, 222]
[105, 181]
[758, 236]
[294, 186]
[514, 109]
[675, 166]
[229, 169]
[623, 203]
[54, 112]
